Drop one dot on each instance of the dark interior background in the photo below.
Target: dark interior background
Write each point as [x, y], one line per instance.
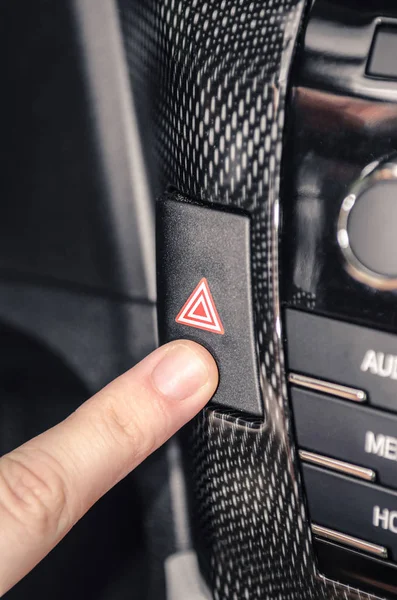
[71, 316]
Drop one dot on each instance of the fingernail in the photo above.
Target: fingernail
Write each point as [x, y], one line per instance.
[180, 373]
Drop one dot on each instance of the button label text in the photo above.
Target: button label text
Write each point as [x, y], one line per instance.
[379, 363]
[384, 446]
[386, 519]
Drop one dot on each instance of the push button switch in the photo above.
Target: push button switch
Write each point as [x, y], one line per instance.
[345, 353]
[358, 509]
[382, 61]
[204, 293]
[342, 430]
[371, 207]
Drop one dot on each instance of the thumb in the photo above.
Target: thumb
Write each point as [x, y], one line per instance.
[47, 484]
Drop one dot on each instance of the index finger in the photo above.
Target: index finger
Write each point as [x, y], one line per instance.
[47, 484]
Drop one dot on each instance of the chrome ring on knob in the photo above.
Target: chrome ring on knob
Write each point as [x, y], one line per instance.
[373, 173]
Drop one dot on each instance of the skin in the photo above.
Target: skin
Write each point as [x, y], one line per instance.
[50, 482]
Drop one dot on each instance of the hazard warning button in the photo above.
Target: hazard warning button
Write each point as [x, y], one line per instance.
[204, 293]
[200, 310]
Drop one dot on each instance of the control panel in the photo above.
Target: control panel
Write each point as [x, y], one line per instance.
[344, 396]
[339, 289]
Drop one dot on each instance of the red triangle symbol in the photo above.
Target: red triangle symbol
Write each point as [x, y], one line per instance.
[200, 311]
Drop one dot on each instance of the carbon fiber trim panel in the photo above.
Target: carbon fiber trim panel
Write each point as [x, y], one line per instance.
[212, 75]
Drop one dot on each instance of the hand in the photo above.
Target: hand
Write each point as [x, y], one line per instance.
[48, 484]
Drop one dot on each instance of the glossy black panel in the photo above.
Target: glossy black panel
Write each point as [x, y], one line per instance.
[341, 121]
[338, 43]
[332, 139]
[334, 134]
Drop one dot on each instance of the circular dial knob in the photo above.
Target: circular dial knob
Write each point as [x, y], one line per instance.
[367, 227]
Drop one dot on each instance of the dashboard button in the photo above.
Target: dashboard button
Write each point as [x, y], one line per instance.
[356, 434]
[205, 294]
[375, 210]
[359, 509]
[370, 207]
[347, 354]
[382, 61]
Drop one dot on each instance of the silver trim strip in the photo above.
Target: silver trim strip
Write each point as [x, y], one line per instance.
[348, 540]
[327, 387]
[337, 465]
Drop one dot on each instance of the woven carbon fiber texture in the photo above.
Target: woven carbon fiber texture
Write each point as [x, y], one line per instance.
[212, 78]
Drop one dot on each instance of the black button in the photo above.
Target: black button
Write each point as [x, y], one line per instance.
[344, 353]
[204, 293]
[382, 61]
[346, 431]
[359, 509]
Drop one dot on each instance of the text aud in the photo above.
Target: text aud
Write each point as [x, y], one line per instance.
[379, 363]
